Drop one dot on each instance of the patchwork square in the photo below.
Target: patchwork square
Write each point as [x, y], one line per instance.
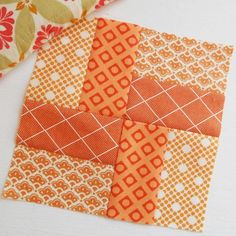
[61, 66]
[59, 181]
[185, 180]
[70, 132]
[123, 122]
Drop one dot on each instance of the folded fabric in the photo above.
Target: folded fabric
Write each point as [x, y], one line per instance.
[27, 25]
[121, 121]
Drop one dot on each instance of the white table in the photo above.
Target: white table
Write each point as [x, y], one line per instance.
[212, 20]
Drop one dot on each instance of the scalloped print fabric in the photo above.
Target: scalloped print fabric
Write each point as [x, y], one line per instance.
[27, 25]
[59, 181]
[124, 122]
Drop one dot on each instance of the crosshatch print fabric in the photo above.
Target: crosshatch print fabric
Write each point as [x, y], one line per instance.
[28, 24]
[123, 122]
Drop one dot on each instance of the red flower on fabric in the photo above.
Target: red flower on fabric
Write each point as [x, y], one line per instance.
[102, 3]
[46, 33]
[6, 27]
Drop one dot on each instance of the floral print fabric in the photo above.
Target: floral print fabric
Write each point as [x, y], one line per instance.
[25, 25]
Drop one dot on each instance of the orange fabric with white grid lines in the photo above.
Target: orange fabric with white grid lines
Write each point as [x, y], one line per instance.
[175, 106]
[70, 132]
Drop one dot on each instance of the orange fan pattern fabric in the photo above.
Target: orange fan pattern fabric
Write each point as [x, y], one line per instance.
[60, 181]
[122, 121]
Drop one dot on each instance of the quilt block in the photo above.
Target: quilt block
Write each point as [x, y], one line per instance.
[123, 122]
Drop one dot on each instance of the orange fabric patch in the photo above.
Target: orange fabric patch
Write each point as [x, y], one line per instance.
[61, 66]
[70, 132]
[137, 172]
[108, 78]
[59, 181]
[175, 106]
[183, 193]
[184, 61]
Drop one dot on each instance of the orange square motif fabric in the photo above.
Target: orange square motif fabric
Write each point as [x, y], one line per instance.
[137, 172]
[109, 75]
[123, 122]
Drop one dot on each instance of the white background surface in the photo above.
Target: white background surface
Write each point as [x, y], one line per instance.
[212, 20]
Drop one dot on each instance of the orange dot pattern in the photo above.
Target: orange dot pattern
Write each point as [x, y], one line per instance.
[137, 172]
[184, 61]
[59, 181]
[61, 66]
[188, 165]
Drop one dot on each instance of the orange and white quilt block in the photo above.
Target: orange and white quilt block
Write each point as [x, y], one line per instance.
[123, 122]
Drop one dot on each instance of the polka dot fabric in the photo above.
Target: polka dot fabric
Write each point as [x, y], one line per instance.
[183, 194]
[61, 66]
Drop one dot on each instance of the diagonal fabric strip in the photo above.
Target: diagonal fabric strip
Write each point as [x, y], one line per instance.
[109, 75]
[175, 106]
[70, 132]
[27, 25]
[137, 173]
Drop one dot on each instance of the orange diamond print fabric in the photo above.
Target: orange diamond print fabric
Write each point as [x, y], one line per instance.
[122, 121]
[137, 173]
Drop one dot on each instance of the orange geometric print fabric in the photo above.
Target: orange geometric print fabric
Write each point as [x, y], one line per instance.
[70, 132]
[59, 181]
[109, 75]
[137, 172]
[175, 106]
